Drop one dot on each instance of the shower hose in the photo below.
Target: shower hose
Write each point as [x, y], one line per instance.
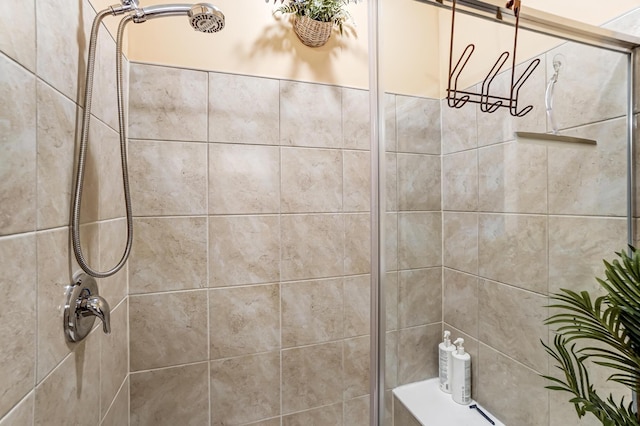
[84, 139]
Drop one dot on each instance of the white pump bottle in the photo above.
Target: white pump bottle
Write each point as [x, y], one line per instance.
[445, 352]
[461, 374]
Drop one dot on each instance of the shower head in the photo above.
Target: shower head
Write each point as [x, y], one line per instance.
[204, 17]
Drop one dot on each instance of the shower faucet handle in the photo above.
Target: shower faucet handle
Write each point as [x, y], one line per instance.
[98, 307]
[83, 306]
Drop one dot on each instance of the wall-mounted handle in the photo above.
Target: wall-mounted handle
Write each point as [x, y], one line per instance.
[98, 307]
[83, 305]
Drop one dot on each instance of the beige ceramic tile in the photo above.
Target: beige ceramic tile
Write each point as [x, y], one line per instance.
[391, 182]
[459, 127]
[419, 186]
[356, 125]
[390, 125]
[170, 396]
[152, 117]
[18, 40]
[17, 319]
[239, 383]
[113, 241]
[356, 411]
[577, 247]
[418, 353]
[420, 297]
[170, 178]
[311, 377]
[90, 202]
[499, 375]
[243, 250]
[108, 168]
[244, 179]
[513, 178]
[167, 329]
[391, 360]
[114, 357]
[357, 292]
[118, 414]
[391, 299]
[401, 415]
[62, 41]
[168, 254]
[356, 181]
[55, 137]
[17, 148]
[21, 414]
[329, 415]
[460, 181]
[509, 243]
[104, 105]
[390, 242]
[460, 241]
[590, 180]
[356, 367]
[270, 422]
[388, 408]
[244, 320]
[312, 246]
[243, 109]
[460, 301]
[312, 312]
[311, 180]
[71, 393]
[357, 244]
[512, 321]
[310, 115]
[418, 125]
[419, 244]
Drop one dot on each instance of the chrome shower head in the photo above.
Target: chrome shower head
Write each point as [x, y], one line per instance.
[206, 18]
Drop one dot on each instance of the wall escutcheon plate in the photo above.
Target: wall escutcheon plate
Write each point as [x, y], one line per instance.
[77, 324]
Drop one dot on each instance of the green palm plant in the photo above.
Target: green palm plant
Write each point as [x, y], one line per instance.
[608, 329]
[319, 10]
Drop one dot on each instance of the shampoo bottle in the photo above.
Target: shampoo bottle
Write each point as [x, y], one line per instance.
[445, 352]
[461, 374]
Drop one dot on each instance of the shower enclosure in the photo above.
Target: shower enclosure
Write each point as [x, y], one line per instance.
[302, 237]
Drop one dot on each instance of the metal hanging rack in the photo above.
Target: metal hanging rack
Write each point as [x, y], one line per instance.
[489, 102]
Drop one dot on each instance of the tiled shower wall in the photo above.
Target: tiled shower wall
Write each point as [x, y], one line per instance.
[43, 379]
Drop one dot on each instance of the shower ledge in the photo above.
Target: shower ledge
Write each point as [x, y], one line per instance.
[432, 407]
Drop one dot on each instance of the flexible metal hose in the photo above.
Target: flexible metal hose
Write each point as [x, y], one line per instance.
[84, 138]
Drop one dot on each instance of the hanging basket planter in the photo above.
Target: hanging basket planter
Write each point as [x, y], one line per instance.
[312, 33]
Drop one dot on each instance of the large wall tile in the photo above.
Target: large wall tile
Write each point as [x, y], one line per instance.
[108, 168]
[356, 118]
[402, 416]
[391, 182]
[356, 181]
[17, 319]
[244, 250]
[71, 393]
[310, 115]
[167, 329]
[418, 353]
[329, 415]
[499, 375]
[169, 178]
[118, 411]
[459, 127]
[21, 414]
[419, 185]
[420, 242]
[245, 389]
[104, 105]
[460, 181]
[390, 242]
[168, 254]
[357, 300]
[152, 117]
[460, 301]
[357, 245]
[391, 360]
[460, 241]
[243, 109]
[312, 312]
[269, 422]
[244, 320]
[114, 356]
[17, 149]
[311, 180]
[56, 137]
[590, 180]
[420, 297]
[171, 396]
[312, 246]
[390, 124]
[18, 40]
[513, 178]
[575, 256]
[512, 321]
[418, 125]
[311, 377]
[356, 411]
[509, 243]
[391, 290]
[113, 240]
[356, 367]
[244, 179]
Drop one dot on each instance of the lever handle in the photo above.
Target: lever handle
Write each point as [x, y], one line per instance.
[97, 306]
[83, 306]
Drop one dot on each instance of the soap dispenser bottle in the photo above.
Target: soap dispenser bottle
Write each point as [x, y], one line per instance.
[445, 361]
[461, 374]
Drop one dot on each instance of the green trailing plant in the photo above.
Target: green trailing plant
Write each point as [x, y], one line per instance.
[335, 11]
[604, 331]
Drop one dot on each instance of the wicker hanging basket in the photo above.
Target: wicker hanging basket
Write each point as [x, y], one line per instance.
[310, 32]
